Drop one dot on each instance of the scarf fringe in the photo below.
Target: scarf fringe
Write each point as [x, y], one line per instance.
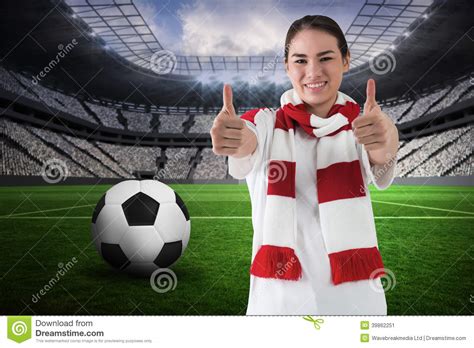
[276, 262]
[356, 264]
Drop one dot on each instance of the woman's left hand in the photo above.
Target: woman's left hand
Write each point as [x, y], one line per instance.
[376, 130]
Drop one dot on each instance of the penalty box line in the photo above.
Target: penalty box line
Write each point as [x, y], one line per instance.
[45, 211]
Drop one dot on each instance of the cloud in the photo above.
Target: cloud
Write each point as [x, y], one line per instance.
[234, 27]
[153, 15]
[227, 28]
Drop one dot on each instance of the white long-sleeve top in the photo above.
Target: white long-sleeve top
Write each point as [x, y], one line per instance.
[314, 293]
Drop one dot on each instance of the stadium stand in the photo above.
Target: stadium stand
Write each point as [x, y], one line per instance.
[38, 149]
[9, 83]
[55, 100]
[468, 95]
[178, 163]
[419, 157]
[446, 153]
[211, 166]
[453, 96]
[202, 124]
[106, 115]
[464, 169]
[132, 158]
[59, 142]
[396, 111]
[172, 123]
[14, 160]
[100, 156]
[452, 147]
[423, 105]
[138, 122]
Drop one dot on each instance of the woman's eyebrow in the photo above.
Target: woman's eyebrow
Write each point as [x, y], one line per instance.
[302, 55]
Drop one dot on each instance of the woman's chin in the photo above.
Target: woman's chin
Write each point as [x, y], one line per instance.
[320, 98]
[313, 100]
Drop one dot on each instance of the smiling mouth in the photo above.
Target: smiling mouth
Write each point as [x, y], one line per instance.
[315, 87]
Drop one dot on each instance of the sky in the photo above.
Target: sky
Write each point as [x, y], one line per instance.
[234, 28]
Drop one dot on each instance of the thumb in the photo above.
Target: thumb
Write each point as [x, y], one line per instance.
[370, 101]
[227, 99]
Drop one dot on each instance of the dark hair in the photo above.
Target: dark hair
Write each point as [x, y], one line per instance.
[319, 23]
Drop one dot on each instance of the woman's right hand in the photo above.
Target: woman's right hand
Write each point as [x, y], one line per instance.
[230, 135]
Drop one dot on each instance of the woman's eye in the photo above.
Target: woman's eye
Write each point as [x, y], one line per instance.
[302, 61]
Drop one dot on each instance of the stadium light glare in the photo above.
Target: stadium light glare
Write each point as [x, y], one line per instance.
[280, 79]
[207, 78]
[225, 77]
[237, 78]
[254, 79]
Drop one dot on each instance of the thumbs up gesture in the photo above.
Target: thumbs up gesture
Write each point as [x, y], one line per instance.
[375, 129]
[230, 135]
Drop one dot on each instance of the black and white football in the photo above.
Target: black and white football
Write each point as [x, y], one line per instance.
[139, 226]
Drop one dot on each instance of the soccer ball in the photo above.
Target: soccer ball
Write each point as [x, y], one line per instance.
[139, 226]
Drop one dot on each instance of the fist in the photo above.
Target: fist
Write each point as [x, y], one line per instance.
[374, 128]
[230, 135]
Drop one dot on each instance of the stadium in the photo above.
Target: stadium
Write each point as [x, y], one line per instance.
[90, 95]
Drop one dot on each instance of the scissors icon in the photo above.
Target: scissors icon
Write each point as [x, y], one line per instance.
[316, 322]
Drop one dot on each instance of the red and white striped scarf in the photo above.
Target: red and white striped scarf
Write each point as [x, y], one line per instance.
[346, 216]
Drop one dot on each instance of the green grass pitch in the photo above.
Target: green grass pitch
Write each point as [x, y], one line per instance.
[425, 235]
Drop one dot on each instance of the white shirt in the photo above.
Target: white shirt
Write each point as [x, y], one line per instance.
[314, 293]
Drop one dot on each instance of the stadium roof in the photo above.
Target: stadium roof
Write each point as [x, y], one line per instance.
[436, 51]
[123, 28]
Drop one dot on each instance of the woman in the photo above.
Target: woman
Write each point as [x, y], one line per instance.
[307, 167]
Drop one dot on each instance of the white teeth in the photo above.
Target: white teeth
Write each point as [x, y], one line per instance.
[315, 85]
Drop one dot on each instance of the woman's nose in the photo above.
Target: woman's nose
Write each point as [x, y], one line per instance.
[313, 70]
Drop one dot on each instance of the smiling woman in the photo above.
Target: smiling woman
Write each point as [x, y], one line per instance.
[315, 247]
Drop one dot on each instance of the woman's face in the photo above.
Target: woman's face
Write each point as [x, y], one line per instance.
[315, 67]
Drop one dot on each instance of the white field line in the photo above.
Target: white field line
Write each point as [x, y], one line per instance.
[423, 207]
[242, 217]
[46, 211]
